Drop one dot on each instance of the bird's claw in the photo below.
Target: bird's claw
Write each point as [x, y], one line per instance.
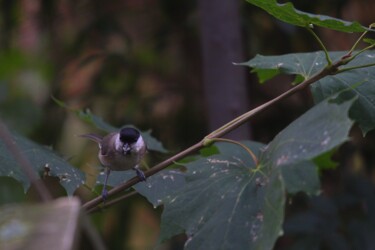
[104, 194]
[140, 174]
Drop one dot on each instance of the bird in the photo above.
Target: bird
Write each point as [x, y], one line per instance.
[119, 151]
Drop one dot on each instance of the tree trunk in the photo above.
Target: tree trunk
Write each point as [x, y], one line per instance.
[224, 84]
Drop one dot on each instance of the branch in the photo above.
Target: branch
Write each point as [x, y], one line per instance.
[113, 201]
[328, 70]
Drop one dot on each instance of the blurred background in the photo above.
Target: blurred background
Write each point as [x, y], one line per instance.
[167, 66]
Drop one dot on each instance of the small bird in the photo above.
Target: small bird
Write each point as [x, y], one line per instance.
[118, 151]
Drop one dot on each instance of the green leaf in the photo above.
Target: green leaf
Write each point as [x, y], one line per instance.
[304, 65]
[369, 41]
[97, 121]
[158, 186]
[152, 143]
[155, 188]
[319, 130]
[226, 205]
[86, 116]
[287, 13]
[265, 74]
[115, 177]
[324, 161]
[357, 82]
[209, 150]
[302, 176]
[43, 160]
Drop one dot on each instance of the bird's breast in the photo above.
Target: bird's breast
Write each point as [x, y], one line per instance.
[118, 162]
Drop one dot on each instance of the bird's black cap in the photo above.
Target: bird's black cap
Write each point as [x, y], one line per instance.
[129, 135]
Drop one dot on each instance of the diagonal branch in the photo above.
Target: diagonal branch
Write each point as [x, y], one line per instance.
[328, 70]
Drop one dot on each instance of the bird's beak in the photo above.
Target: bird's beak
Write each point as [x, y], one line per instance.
[126, 148]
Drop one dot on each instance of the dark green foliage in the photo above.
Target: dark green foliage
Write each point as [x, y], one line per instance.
[43, 160]
[226, 193]
[354, 83]
[287, 13]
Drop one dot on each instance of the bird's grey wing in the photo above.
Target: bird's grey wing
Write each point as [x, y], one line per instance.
[107, 144]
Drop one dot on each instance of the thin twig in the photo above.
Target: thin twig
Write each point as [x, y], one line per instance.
[24, 163]
[113, 201]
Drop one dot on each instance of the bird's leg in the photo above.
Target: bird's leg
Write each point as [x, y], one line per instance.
[104, 191]
[140, 173]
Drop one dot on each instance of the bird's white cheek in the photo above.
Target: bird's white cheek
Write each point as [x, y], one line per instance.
[118, 144]
[139, 145]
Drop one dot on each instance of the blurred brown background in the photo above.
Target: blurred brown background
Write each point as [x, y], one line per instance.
[157, 64]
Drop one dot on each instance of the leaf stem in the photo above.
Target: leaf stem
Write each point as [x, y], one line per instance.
[363, 50]
[248, 150]
[355, 67]
[359, 40]
[329, 60]
[356, 43]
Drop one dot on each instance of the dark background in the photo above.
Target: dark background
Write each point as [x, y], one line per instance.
[166, 65]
